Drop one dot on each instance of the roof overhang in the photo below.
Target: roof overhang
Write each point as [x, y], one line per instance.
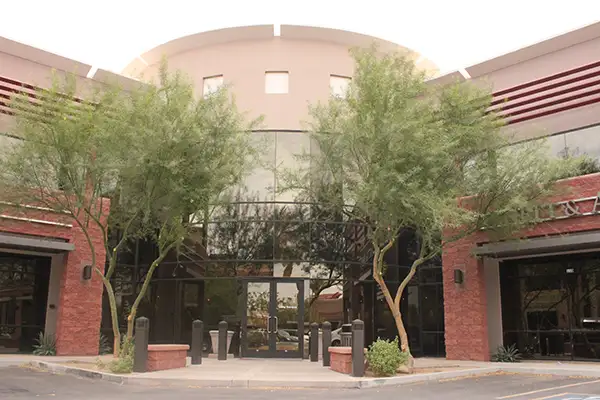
[44, 245]
[540, 246]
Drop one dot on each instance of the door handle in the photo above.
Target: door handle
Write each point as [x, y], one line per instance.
[268, 319]
[276, 324]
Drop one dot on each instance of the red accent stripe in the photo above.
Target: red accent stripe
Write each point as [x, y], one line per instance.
[555, 111]
[552, 103]
[17, 83]
[16, 91]
[545, 88]
[547, 78]
[547, 96]
[31, 87]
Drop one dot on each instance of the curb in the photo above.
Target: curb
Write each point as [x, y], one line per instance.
[257, 383]
[80, 372]
[421, 378]
[556, 371]
[362, 383]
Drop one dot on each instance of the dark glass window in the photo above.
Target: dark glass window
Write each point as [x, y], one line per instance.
[551, 306]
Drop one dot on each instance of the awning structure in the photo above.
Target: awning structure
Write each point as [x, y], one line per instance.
[46, 245]
[540, 246]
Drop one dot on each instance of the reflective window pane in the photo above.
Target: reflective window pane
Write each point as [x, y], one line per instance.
[584, 141]
[290, 145]
[257, 314]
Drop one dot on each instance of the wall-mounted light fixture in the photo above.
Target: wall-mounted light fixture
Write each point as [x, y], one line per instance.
[86, 275]
[459, 276]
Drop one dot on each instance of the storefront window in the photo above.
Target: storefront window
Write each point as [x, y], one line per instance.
[550, 306]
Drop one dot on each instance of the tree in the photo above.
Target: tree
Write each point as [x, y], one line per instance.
[163, 157]
[396, 153]
[68, 155]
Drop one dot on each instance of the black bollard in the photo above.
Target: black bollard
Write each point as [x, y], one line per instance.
[222, 355]
[197, 341]
[326, 343]
[140, 360]
[314, 342]
[358, 348]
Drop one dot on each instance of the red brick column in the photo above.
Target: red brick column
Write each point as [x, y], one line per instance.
[465, 311]
[79, 312]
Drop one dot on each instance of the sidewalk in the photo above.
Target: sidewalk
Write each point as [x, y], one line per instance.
[277, 373]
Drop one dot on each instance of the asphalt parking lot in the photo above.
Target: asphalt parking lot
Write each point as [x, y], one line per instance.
[24, 383]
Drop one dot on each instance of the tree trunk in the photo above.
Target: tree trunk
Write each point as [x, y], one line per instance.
[377, 266]
[138, 300]
[394, 303]
[109, 290]
[143, 290]
[405, 345]
[114, 315]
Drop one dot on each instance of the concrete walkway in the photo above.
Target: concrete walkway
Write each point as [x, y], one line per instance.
[277, 373]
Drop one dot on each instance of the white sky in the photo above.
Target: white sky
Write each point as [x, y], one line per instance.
[454, 34]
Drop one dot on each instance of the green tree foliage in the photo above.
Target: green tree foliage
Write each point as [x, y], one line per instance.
[396, 152]
[162, 156]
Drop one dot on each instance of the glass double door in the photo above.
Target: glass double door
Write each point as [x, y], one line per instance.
[273, 322]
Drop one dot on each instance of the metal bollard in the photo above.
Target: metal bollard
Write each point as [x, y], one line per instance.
[314, 342]
[326, 343]
[358, 348]
[222, 355]
[140, 355]
[197, 341]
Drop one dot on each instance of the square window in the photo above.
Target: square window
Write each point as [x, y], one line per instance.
[339, 85]
[276, 82]
[212, 84]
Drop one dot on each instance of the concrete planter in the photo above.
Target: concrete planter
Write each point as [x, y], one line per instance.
[166, 356]
[341, 359]
[214, 339]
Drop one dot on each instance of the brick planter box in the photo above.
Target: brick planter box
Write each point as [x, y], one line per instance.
[166, 356]
[341, 359]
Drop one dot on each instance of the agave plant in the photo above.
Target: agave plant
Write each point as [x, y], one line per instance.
[507, 354]
[45, 345]
[104, 346]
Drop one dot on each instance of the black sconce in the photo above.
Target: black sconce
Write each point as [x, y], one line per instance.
[459, 276]
[87, 273]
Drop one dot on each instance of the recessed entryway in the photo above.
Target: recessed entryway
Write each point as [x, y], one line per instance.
[24, 285]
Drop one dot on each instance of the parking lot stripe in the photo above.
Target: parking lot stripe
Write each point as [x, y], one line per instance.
[549, 397]
[547, 389]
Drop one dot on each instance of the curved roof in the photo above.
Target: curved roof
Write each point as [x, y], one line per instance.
[258, 32]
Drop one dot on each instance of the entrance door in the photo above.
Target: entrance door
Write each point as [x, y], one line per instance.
[190, 309]
[273, 324]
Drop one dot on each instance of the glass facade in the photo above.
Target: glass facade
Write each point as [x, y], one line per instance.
[576, 143]
[235, 267]
[551, 306]
[422, 304]
[270, 265]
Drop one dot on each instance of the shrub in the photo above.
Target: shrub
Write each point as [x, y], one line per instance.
[45, 345]
[507, 354]
[124, 363]
[385, 357]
